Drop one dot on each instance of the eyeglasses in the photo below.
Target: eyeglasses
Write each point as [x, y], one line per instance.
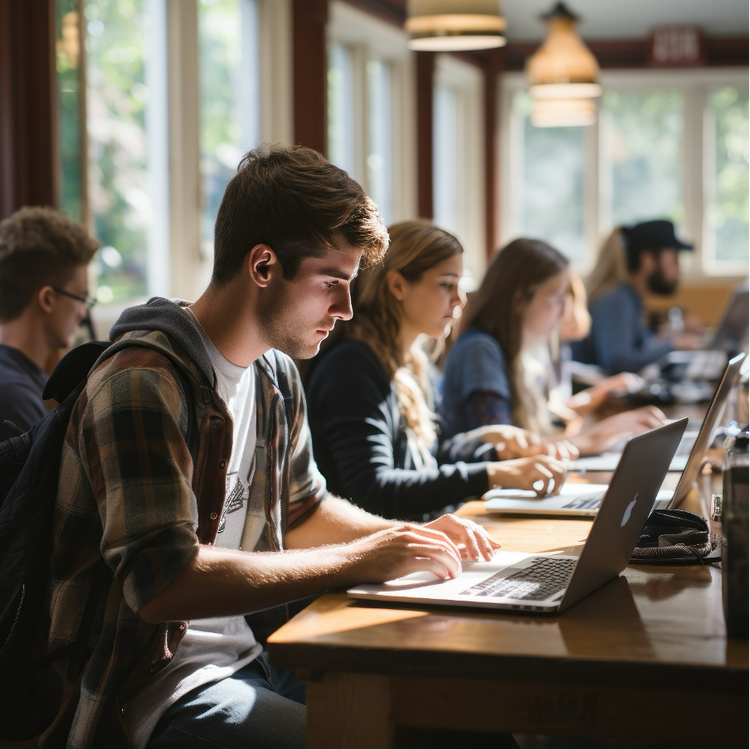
[88, 301]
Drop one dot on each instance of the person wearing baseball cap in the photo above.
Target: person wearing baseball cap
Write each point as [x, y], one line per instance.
[635, 262]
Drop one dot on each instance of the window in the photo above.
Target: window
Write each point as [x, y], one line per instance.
[380, 138]
[646, 142]
[727, 177]
[120, 198]
[173, 101]
[230, 98]
[552, 197]
[457, 158]
[666, 144]
[371, 108]
[69, 59]
[340, 107]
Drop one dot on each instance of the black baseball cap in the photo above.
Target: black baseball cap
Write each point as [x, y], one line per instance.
[652, 235]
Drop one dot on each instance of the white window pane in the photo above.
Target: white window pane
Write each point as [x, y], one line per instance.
[553, 166]
[647, 151]
[727, 214]
[229, 90]
[445, 158]
[341, 107]
[379, 152]
[120, 191]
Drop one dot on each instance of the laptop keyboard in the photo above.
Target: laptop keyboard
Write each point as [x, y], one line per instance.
[585, 502]
[543, 578]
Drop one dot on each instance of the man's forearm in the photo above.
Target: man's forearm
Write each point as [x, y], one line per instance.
[219, 582]
[335, 521]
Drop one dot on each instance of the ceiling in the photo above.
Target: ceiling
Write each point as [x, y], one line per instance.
[607, 19]
[629, 19]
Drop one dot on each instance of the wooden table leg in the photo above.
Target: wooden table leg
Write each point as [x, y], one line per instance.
[349, 710]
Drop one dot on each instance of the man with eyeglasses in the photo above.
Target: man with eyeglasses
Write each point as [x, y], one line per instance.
[43, 299]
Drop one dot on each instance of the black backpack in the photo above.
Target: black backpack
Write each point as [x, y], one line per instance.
[29, 467]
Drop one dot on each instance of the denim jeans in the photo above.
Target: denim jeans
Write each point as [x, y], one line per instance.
[258, 706]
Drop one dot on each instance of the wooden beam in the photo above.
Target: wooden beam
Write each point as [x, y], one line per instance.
[310, 69]
[492, 71]
[425, 78]
[634, 53]
[29, 173]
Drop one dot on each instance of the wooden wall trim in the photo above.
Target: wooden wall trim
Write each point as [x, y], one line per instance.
[634, 53]
[310, 69]
[392, 11]
[492, 71]
[425, 78]
[29, 171]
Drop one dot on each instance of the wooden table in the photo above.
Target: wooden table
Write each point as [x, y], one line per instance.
[645, 658]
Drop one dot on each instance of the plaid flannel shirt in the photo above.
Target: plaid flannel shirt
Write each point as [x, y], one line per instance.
[132, 509]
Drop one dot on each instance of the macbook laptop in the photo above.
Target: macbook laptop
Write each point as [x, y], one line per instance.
[693, 441]
[551, 582]
[680, 372]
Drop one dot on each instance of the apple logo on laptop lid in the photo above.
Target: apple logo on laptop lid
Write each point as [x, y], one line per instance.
[628, 511]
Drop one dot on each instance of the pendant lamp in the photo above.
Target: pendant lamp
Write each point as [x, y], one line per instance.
[451, 25]
[563, 68]
[561, 113]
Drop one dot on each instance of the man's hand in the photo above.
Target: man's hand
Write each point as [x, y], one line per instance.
[401, 550]
[543, 474]
[471, 539]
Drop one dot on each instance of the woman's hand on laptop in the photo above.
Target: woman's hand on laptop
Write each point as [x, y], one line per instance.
[543, 474]
[604, 435]
[472, 540]
[515, 442]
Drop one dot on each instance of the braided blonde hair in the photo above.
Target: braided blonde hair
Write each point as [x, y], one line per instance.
[415, 247]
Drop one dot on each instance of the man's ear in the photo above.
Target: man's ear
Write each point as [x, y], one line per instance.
[395, 283]
[262, 265]
[648, 262]
[44, 298]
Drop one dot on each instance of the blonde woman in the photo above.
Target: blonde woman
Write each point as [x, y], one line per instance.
[499, 370]
[370, 402]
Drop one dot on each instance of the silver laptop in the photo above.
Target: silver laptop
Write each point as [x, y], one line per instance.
[551, 582]
[576, 500]
[685, 369]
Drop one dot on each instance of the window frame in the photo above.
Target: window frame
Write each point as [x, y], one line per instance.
[466, 81]
[370, 38]
[695, 85]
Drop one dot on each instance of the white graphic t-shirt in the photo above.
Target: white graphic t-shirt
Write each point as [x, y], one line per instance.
[215, 647]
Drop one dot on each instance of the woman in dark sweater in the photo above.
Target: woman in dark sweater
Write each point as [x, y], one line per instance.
[370, 400]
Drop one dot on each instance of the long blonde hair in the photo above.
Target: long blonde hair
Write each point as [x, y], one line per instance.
[513, 276]
[611, 267]
[378, 316]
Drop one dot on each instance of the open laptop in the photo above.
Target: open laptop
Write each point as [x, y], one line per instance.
[552, 582]
[576, 499]
[681, 373]
[693, 441]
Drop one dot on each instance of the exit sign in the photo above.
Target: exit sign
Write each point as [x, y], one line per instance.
[675, 46]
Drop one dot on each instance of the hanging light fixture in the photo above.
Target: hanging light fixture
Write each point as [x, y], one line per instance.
[563, 68]
[451, 25]
[560, 113]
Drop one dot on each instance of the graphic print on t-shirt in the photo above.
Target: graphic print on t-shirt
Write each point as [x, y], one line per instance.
[235, 501]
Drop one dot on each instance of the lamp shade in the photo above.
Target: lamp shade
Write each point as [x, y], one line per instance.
[450, 25]
[563, 67]
[559, 113]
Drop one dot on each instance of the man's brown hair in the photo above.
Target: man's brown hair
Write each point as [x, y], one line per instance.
[38, 246]
[297, 203]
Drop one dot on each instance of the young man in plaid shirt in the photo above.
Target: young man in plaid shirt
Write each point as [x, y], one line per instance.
[165, 541]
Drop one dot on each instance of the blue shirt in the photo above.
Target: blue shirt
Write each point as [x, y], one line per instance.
[475, 363]
[619, 341]
[21, 385]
